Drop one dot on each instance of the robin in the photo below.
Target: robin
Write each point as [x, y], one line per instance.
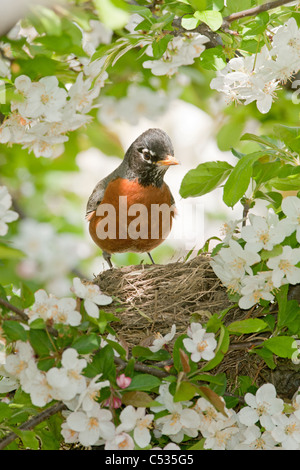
[131, 210]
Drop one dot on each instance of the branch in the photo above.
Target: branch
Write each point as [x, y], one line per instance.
[255, 10]
[31, 423]
[14, 309]
[22, 315]
[142, 368]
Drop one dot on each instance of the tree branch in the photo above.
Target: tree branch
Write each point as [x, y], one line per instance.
[22, 315]
[31, 423]
[255, 10]
[14, 309]
[142, 368]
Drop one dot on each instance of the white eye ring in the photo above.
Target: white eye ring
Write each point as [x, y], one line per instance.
[148, 154]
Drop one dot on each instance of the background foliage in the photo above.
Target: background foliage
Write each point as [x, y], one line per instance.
[46, 168]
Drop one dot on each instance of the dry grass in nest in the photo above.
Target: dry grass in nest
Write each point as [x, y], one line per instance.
[151, 298]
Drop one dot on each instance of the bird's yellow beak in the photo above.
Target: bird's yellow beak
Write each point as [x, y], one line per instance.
[169, 160]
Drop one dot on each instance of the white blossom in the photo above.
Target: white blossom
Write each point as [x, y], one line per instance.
[91, 295]
[200, 344]
[263, 232]
[180, 51]
[181, 419]
[239, 260]
[92, 425]
[41, 99]
[160, 340]
[70, 436]
[283, 266]
[254, 439]
[17, 363]
[261, 407]
[287, 432]
[291, 208]
[6, 215]
[98, 34]
[139, 422]
[121, 441]
[286, 36]
[86, 399]
[210, 418]
[57, 310]
[254, 288]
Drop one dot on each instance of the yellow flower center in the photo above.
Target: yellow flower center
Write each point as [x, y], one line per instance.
[45, 99]
[93, 423]
[285, 266]
[201, 346]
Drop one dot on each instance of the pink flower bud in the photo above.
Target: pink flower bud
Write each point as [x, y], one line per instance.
[117, 402]
[123, 381]
[113, 402]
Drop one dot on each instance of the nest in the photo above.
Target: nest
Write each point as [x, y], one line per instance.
[151, 298]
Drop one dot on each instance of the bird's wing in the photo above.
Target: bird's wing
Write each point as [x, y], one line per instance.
[98, 192]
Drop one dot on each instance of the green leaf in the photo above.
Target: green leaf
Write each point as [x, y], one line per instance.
[185, 391]
[189, 22]
[266, 355]
[212, 18]
[199, 445]
[239, 179]
[290, 183]
[222, 348]
[38, 324]
[14, 330]
[256, 27]
[27, 296]
[178, 345]
[40, 342]
[249, 45]
[276, 251]
[144, 382]
[137, 398]
[250, 325]
[215, 5]
[7, 252]
[263, 140]
[291, 319]
[282, 346]
[159, 47]
[289, 135]
[203, 179]
[87, 343]
[233, 6]
[198, 4]
[46, 363]
[102, 363]
[229, 134]
[263, 172]
[5, 411]
[213, 59]
[288, 311]
[28, 438]
[45, 20]
[113, 13]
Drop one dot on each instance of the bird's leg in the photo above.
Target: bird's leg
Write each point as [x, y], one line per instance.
[150, 256]
[107, 257]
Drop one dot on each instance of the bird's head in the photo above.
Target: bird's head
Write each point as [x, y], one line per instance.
[150, 155]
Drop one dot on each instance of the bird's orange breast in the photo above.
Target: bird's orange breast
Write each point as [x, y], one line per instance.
[132, 217]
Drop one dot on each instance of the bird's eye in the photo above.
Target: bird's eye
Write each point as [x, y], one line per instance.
[147, 154]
